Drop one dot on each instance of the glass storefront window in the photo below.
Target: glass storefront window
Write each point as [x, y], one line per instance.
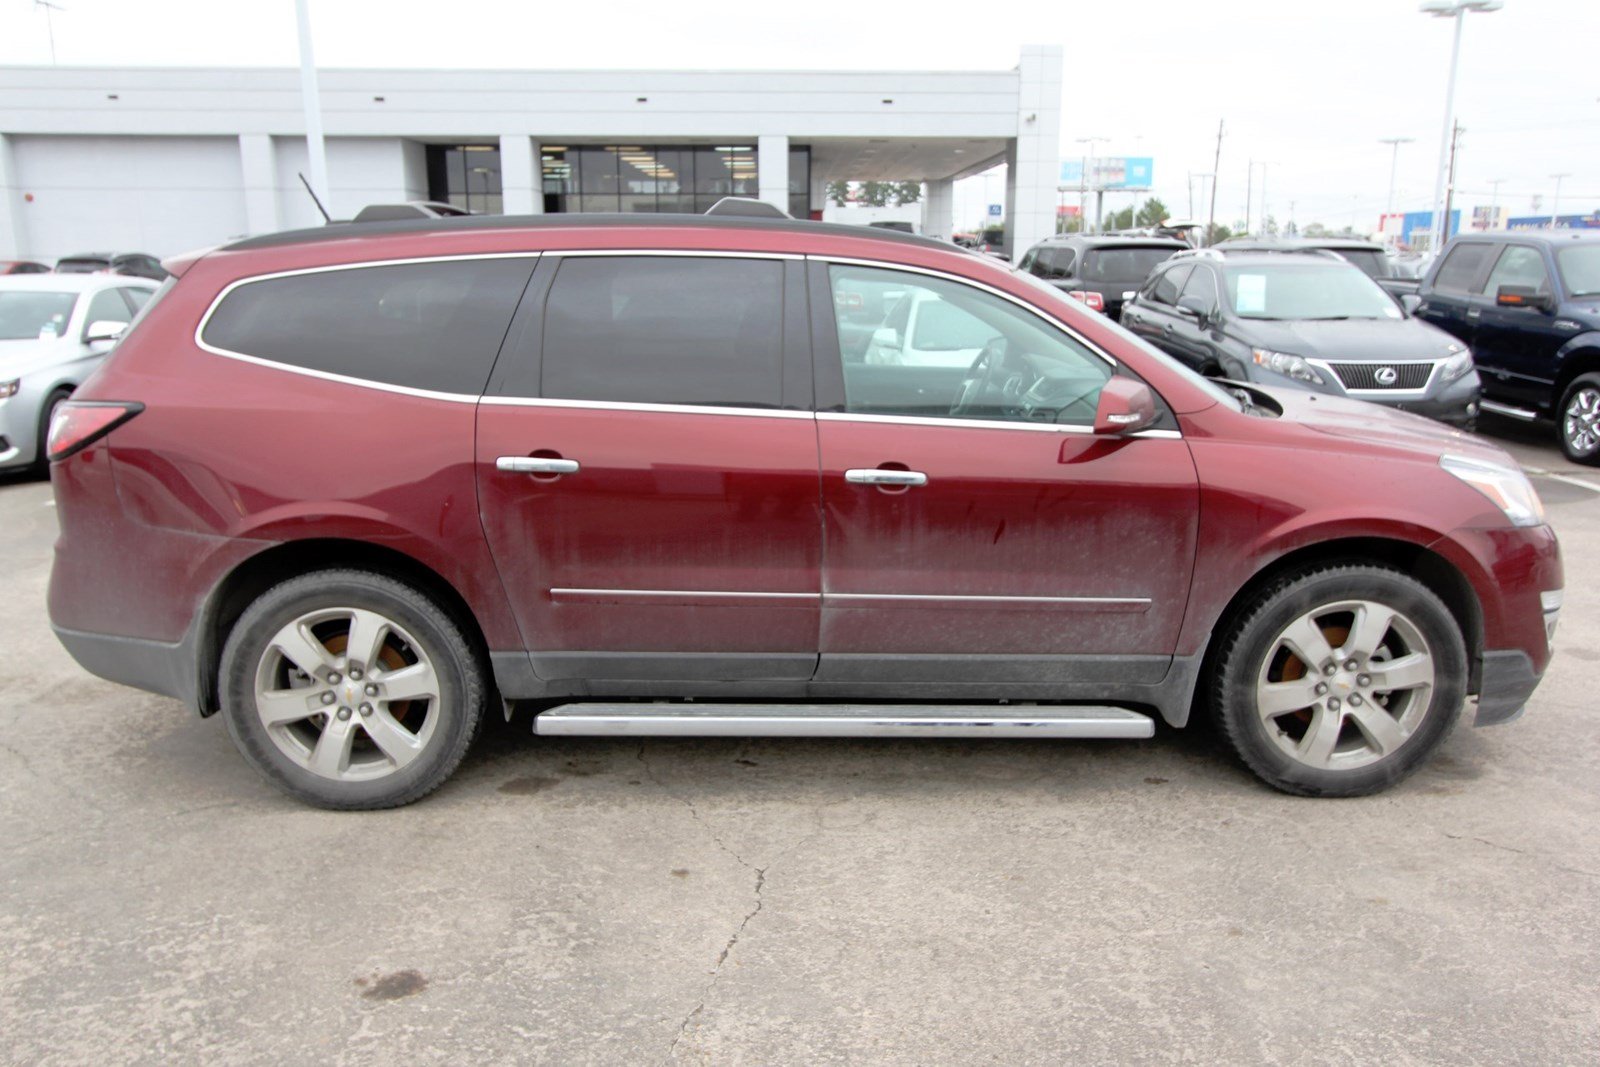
[467, 176]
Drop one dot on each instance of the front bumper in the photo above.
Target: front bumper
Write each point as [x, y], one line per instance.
[19, 427]
[1508, 681]
[1456, 403]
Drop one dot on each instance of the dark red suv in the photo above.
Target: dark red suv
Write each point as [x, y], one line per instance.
[357, 486]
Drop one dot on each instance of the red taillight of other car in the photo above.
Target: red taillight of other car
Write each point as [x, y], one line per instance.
[77, 424]
[1093, 301]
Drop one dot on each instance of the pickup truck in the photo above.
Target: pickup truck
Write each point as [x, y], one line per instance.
[1528, 305]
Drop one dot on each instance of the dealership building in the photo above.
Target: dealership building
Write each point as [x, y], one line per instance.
[163, 160]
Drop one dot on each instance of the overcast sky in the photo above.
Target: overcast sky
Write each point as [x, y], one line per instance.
[1309, 87]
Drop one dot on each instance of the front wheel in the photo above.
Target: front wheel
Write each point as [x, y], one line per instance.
[1579, 420]
[1339, 681]
[351, 690]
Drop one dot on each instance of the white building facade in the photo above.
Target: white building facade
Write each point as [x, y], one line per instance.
[163, 160]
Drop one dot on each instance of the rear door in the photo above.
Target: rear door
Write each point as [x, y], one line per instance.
[990, 537]
[1451, 300]
[1517, 346]
[647, 469]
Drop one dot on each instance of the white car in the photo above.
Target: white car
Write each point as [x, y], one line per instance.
[925, 331]
[55, 329]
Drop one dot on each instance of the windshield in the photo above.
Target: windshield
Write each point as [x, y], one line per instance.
[1128, 265]
[81, 266]
[1580, 269]
[29, 315]
[1373, 263]
[1313, 290]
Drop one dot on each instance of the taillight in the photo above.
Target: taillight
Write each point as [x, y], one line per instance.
[1093, 301]
[77, 424]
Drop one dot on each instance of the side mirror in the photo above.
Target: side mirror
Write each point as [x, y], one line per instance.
[103, 330]
[1197, 308]
[886, 337]
[1125, 407]
[1522, 296]
[1411, 302]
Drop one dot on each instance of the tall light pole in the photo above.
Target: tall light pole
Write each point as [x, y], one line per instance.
[1086, 186]
[1494, 203]
[1555, 201]
[311, 100]
[1394, 163]
[1450, 9]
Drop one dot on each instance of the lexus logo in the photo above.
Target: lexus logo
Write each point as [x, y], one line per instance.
[1386, 376]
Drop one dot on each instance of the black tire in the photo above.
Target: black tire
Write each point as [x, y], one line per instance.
[41, 458]
[462, 679]
[1254, 634]
[1570, 441]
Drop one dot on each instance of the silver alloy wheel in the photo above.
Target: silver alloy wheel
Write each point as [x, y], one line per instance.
[1345, 685]
[347, 694]
[1580, 423]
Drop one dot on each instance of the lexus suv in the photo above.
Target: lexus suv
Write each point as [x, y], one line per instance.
[355, 487]
[1308, 320]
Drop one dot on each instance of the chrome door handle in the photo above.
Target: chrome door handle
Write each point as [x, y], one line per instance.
[1473, 313]
[536, 465]
[880, 476]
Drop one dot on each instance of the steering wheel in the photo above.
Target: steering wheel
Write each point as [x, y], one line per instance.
[989, 379]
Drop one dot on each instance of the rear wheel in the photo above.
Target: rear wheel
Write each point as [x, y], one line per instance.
[1579, 420]
[1339, 681]
[350, 690]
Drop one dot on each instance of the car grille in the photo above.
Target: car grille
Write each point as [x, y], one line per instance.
[1365, 375]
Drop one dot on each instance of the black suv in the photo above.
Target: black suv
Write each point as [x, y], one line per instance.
[1528, 304]
[1305, 319]
[1102, 270]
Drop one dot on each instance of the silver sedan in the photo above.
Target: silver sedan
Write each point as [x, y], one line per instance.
[55, 329]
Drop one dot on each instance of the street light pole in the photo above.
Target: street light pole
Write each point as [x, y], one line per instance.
[1555, 201]
[1088, 169]
[1456, 9]
[1394, 163]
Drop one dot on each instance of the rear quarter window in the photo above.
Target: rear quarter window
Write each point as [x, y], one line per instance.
[435, 325]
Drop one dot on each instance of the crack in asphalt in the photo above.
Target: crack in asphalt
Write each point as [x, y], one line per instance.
[727, 949]
[1520, 852]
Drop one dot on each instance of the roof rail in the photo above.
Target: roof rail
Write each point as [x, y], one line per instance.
[745, 207]
[1202, 253]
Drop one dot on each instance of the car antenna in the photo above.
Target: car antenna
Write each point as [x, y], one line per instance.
[313, 193]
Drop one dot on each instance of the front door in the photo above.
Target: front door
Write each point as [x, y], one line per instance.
[989, 536]
[647, 469]
[1518, 345]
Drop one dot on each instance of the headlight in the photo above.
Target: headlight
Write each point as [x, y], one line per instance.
[10, 388]
[1455, 367]
[1285, 364]
[1510, 489]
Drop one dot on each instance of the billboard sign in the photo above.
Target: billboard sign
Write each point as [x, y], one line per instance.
[1564, 222]
[1127, 173]
[1487, 218]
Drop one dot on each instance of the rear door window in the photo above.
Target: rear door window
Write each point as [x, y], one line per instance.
[435, 325]
[668, 330]
[1462, 267]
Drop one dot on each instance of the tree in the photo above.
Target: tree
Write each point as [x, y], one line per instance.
[875, 194]
[1316, 229]
[907, 193]
[1217, 232]
[1269, 226]
[839, 192]
[1152, 213]
[1120, 220]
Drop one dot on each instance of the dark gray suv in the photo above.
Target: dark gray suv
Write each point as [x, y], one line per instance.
[1310, 320]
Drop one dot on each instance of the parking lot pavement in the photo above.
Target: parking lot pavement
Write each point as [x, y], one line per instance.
[587, 901]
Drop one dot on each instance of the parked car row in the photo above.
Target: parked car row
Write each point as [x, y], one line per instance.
[131, 264]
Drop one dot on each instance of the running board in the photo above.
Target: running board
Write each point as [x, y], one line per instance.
[841, 720]
[1508, 411]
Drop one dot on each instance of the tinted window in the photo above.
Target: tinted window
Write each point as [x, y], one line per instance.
[1129, 266]
[1461, 267]
[1373, 263]
[666, 330]
[1029, 370]
[1519, 265]
[1203, 284]
[1165, 289]
[434, 326]
[81, 266]
[1055, 262]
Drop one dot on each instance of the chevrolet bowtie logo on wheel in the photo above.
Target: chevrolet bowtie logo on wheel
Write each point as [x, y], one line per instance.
[1387, 375]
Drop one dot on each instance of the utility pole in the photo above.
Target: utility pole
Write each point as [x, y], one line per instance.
[1555, 202]
[1494, 202]
[1216, 163]
[1290, 226]
[1449, 186]
[1249, 176]
[311, 101]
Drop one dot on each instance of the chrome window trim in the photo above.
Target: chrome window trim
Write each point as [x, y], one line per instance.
[693, 253]
[985, 424]
[329, 376]
[629, 405]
